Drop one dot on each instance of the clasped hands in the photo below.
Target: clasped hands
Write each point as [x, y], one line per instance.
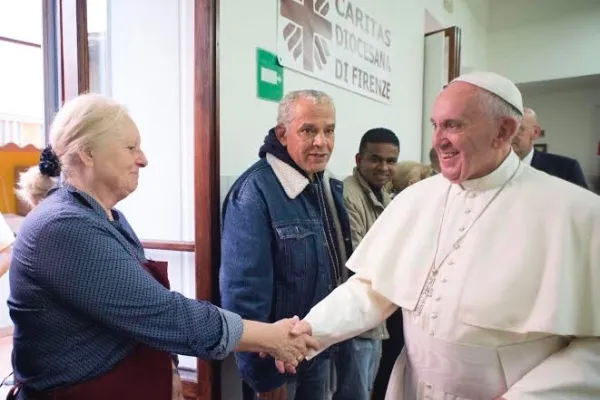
[292, 345]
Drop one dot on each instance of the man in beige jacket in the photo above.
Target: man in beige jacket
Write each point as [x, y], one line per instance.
[365, 197]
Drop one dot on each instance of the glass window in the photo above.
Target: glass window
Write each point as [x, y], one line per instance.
[21, 73]
[97, 11]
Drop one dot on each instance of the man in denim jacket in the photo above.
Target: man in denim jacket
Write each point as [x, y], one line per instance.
[286, 238]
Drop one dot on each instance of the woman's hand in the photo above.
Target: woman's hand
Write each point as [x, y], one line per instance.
[277, 340]
[299, 329]
[288, 347]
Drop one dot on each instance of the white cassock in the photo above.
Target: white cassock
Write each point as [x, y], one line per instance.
[514, 308]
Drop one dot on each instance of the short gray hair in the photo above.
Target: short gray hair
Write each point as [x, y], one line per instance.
[496, 107]
[285, 109]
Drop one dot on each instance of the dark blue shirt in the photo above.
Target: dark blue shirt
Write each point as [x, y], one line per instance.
[80, 299]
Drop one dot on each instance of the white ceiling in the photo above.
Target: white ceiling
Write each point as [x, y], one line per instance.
[506, 14]
[560, 85]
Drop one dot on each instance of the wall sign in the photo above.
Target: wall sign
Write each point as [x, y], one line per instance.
[269, 76]
[337, 42]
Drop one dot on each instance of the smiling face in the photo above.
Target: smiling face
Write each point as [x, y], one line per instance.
[117, 161]
[377, 163]
[469, 142]
[310, 136]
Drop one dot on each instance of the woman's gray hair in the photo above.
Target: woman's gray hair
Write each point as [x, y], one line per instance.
[286, 107]
[80, 125]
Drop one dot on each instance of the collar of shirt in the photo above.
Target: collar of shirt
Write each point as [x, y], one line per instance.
[88, 200]
[496, 178]
[528, 158]
[385, 196]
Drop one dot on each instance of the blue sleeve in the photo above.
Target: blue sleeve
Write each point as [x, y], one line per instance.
[577, 176]
[246, 279]
[85, 267]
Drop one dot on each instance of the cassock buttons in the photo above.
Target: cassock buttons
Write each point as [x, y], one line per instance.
[438, 298]
[461, 229]
[468, 211]
[434, 316]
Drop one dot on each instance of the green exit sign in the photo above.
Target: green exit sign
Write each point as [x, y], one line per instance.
[269, 76]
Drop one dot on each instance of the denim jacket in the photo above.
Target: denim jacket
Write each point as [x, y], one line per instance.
[274, 262]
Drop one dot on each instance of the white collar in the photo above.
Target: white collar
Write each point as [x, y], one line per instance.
[496, 178]
[528, 158]
[292, 181]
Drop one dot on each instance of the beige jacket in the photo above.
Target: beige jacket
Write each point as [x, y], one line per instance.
[363, 209]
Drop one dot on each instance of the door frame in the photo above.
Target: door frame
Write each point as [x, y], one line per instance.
[207, 175]
[453, 34]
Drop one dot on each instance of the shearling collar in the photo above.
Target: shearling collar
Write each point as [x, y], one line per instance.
[292, 181]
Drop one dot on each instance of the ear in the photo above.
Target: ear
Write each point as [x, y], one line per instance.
[86, 157]
[358, 159]
[508, 129]
[280, 133]
[537, 132]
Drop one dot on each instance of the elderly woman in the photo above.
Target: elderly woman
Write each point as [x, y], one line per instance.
[95, 319]
[408, 173]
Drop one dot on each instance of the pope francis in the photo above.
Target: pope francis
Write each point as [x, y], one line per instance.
[496, 267]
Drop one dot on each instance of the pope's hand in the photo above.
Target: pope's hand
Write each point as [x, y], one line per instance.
[289, 347]
[299, 329]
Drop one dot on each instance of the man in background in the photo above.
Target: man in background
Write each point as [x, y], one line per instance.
[286, 238]
[560, 166]
[7, 238]
[366, 197]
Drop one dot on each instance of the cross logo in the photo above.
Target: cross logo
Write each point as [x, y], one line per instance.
[308, 32]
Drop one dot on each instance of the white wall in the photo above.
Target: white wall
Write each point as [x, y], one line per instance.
[472, 18]
[151, 71]
[538, 40]
[245, 119]
[570, 119]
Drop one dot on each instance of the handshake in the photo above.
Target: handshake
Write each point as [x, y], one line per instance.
[290, 343]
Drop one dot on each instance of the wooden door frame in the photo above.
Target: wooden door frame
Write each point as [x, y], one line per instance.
[206, 174]
[73, 70]
[72, 46]
[453, 34]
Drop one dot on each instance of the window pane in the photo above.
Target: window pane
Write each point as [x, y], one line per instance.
[21, 20]
[22, 94]
[97, 52]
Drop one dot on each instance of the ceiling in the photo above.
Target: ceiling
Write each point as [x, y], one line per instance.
[560, 85]
[511, 14]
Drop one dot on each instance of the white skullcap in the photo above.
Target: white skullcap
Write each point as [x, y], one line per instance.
[497, 84]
